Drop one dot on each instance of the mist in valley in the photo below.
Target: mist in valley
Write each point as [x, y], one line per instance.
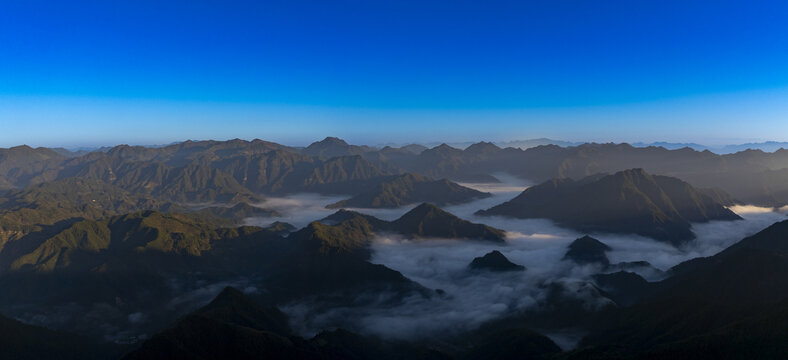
[471, 298]
[466, 300]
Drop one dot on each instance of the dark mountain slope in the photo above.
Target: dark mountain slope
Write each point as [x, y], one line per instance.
[514, 344]
[21, 341]
[232, 326]
[88, 244]
[411, 188]
[630, 201]
[332, 259]
[587, 250]
[494, 261]
[758, 337]
[706, 299]
[423, 221]
[430, 221]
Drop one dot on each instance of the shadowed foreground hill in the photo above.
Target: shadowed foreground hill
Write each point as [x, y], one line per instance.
[411, 188]
[230, 327]
[137, 262]
[631, 201]
[730, 305]
[23, 342]
[331, 257]
[234, 327]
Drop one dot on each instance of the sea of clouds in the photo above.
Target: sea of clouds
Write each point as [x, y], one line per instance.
[472, 298]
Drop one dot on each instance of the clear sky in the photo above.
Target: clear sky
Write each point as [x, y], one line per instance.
[78, 73]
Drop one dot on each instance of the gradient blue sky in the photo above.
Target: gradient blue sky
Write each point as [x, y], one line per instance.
[76, 73]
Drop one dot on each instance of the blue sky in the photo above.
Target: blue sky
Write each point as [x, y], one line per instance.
[78, 73]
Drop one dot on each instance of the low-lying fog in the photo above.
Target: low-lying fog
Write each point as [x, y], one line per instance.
[472, 297]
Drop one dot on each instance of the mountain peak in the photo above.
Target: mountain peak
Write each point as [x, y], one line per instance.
[428, 220]
[481, 148]
[229, 296]
[21, 148]
[494, 261]
[331, 140]
[425, 209]
[587, 250]
[629, 201]
[444, 147]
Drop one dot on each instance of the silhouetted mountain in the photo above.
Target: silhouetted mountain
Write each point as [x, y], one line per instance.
[705, 300]
[640, 267]
[494, 261]
[630, 201]
[758, 337]
[514, 344]
[587, 250]
[625, 288]
[330, 257]
[342, 215]
[408, 189]
[429, 221]
[233, 326]
[22, 341]
[156, 257]
[333, 147]
[423, 221]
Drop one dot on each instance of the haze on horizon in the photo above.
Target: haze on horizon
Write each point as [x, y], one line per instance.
[93, 74]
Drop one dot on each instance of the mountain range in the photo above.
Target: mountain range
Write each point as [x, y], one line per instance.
[238, 170]
[143, 251]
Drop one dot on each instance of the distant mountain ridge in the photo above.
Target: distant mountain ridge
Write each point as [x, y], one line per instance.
[411, 188]
[423, 221]
[750, 176]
